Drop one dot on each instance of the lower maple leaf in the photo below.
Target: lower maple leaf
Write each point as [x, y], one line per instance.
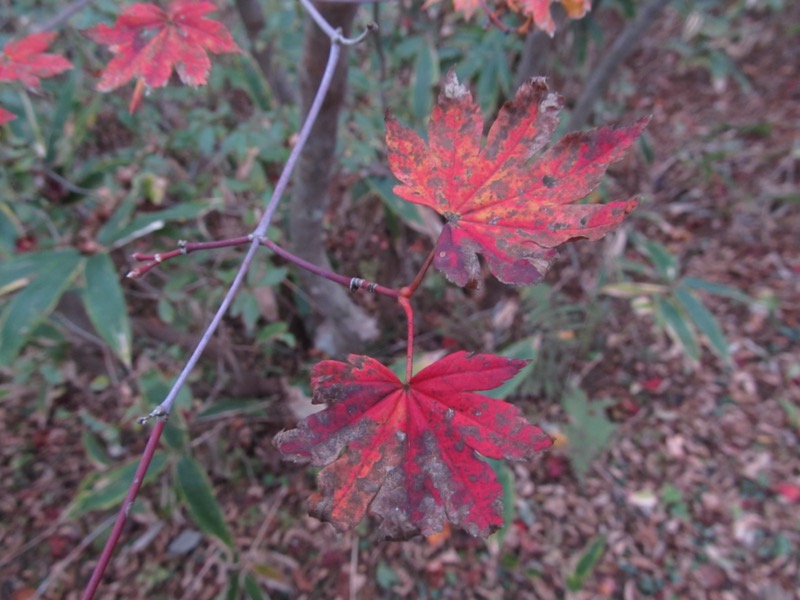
[410, 454]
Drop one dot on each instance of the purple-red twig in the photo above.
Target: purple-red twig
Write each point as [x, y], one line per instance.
[162, 411]
[352, 283]
[124, 510]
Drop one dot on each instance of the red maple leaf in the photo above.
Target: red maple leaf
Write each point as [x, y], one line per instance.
[536, 12]
[408, 453]
[495, 200]
[27, 62]
[148, 42]
[539, 11]
[5, 116]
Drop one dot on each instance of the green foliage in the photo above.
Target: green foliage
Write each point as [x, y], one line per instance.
[589, 430]
[196, 491]
[106, 490]
[105, 304]
[586, 563]
[673, 300]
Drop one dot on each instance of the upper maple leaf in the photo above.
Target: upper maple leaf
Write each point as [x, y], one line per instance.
[537, 12]
[148, 41]
[27, 62]
[408, 452]
[495, 200]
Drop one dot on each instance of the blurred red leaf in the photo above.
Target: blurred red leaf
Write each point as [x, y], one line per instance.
[495, 201]
[539, 11]
[408, 453]
[5, 116]
[148, 42]
[27, 62]
[790, 491]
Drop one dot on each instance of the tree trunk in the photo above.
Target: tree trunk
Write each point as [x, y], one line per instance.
[622, 47]
[339, 326]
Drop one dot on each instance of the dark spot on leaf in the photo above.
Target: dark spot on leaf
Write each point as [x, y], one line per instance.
[548, 181]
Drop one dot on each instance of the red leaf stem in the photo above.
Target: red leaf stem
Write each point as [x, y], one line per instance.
[409, 310]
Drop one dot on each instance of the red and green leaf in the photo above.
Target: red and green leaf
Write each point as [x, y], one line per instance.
[148, 42]
[496, 201]
[411, 454]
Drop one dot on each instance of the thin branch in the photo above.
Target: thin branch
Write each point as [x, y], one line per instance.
[352, 283]
[127, 504]
[622, 47]
[163, 410]
[65, 14]
[409, 291]
[336, 35]
[184, 247]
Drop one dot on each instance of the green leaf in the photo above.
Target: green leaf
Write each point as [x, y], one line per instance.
[228, 408]
[195, 489]
[705, 322]
[10, 230]
[94, 450]
[792, 413]
[66, 95]
[679, 328]
[632, 289]
[101, 491]
[426, 72]
[385, 576]
[717, 289]
[34, 303]
[18, 271]
[118, 231]
[589, 431]
[505, 477]
[659, 256]
[255, 84]
[410, 213]
[105, 305]
[232, 591]
[586, 564]
[252, 589]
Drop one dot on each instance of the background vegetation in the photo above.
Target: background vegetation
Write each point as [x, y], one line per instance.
[667, 360]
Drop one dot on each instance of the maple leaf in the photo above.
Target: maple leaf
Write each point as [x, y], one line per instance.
[539, 11]
[536, 12]
[148, 42]
[26, 60]
[408, 453]
[495, 201]
[5, 116]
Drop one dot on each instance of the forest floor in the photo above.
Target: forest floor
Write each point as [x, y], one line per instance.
[698, 493]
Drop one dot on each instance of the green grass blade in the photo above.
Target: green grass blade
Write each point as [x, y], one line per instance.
[196, 491]
[705, 322]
